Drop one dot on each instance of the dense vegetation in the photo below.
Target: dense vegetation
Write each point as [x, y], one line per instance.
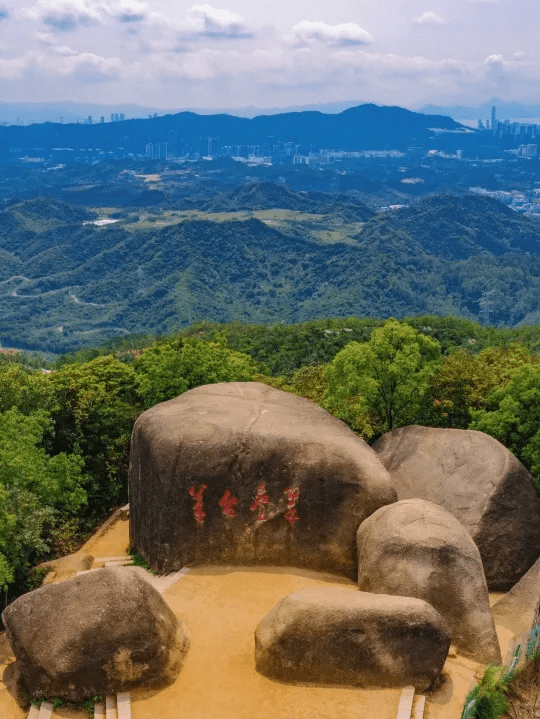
[66, 284]
[64, 435]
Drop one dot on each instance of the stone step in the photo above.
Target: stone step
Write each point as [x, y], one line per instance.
[405, 703]
[419, 705]
[83, 571]
[99, 710]
[45, 710]
[118, 558]
[118, 562]
[34, 712]
[110, 707]
[164, 581]
[123, 703]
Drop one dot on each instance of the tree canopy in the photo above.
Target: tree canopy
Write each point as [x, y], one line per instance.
[167, 370]
[382, 380]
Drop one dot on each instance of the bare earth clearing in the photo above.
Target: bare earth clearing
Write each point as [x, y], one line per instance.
[222, 607]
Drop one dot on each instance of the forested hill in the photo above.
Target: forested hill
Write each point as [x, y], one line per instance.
[363, 127]
[66, 284]
[459, 226]
[267, 195]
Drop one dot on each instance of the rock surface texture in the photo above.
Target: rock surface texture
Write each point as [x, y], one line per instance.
[104, 632]
[477, 480]
[519, 610]
[336, 636]
[245, 473]
[414, 548]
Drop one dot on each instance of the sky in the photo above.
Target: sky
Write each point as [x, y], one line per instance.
[269, 53]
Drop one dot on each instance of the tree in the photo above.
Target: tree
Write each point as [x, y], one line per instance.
[34, 489]
[463, 381]
[21, 388]
[167, 370]
[512, 415]
[383, 379]
[93, 409]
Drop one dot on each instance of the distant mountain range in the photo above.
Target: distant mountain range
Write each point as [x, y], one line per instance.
[357, 128]
[65, 284]
[18, 113]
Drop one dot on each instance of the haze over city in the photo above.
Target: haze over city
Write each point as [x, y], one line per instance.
[237, 53]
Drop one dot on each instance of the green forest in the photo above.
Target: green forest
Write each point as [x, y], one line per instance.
[64, 452]
[67, 283]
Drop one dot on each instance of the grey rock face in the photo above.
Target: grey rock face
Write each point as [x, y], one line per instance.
[245, 473]
[335, 636]
[104, 632]
[477, 480]
[414, 548]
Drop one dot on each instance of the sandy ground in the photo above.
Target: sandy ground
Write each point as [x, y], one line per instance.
[222, 606]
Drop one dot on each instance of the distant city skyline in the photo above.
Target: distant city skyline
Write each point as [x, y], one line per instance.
[235, 53]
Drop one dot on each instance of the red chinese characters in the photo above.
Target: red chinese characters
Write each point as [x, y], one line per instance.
[261, 498]
[198, 510]
[292, 498]
[227, 503]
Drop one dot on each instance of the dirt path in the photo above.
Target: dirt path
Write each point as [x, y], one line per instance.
[222, 606]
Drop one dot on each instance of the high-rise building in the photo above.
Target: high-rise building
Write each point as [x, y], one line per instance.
[493, 117]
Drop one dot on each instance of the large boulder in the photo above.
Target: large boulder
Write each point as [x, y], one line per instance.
[245, 473]
[477, 480]
[105, 631]
[416, 549]
[338, 636]
[519, 610]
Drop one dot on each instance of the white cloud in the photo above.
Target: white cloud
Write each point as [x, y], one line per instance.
[48, 41]
[64, 15]
[14, 68]
[209, 21]
[59, 47]
[430, 18]
[494, 60]
[91, 68]
[126, 10]
[309, 31]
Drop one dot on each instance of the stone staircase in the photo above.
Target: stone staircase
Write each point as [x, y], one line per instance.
[411, 706]
[161, 582]
[44, 712]
[116, 706]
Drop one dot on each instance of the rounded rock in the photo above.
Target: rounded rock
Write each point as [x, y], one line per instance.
[105, 631]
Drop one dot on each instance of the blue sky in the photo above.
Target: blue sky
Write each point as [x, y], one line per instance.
[268, 53]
